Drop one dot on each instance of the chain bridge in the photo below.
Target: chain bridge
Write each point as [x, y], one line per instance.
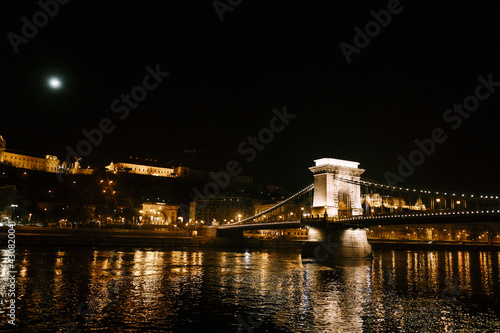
[340, 205]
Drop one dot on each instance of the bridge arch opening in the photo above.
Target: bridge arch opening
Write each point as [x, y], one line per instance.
[344, 203]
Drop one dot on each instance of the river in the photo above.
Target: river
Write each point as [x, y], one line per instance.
[148, 290]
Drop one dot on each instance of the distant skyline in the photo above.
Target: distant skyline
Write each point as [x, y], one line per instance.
[364, 85]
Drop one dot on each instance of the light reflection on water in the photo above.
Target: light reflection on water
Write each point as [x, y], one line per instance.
[216, 291]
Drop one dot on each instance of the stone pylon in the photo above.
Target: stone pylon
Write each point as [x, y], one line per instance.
[331, 190]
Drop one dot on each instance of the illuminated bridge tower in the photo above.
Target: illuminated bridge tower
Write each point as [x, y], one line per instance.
[336, 195]
[332, 193]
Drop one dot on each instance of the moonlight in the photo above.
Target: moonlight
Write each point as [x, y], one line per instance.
[55, 83]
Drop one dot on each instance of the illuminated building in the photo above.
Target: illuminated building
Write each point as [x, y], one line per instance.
[140, 169]
[179, 171]
[158, 213]
[376, 203]
[49, 163]
[74, 168]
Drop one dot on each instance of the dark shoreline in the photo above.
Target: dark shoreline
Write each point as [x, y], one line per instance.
[136, 239]
[26, 236]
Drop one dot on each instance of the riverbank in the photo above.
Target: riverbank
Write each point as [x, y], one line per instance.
[100, 237]
[32, 236]
[36, 236]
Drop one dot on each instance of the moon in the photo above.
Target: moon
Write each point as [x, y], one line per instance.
[55, 83]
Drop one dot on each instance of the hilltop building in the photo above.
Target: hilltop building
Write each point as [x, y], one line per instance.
[49, 163]
[46, 163]
[179, 171]
[140, 169]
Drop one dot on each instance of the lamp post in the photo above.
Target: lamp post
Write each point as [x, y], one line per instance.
[13, 216]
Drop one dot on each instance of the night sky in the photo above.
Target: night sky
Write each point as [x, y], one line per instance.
[227, 76]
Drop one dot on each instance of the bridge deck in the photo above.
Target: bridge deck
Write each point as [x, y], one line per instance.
[366, 221]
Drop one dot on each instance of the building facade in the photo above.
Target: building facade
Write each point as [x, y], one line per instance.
[221, 209]
[140, 169]
[49, 163]
[158, 213]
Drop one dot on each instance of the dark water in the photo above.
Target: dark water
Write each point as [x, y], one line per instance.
[261, 291]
